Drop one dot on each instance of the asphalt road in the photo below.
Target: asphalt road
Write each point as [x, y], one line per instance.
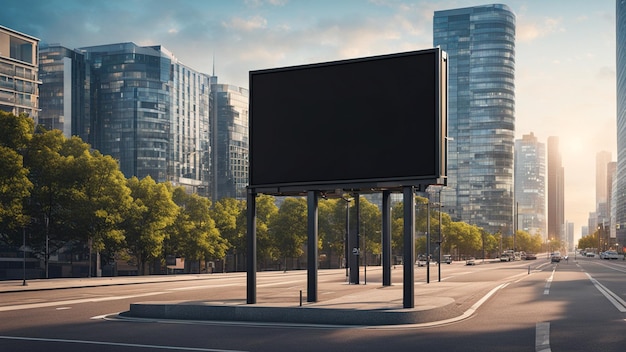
[571, 306]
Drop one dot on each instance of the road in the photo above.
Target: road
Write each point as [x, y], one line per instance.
[571, 306]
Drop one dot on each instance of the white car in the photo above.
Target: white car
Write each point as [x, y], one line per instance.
[610, 255]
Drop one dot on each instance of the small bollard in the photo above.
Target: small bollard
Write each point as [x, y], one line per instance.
[529, 270]
[300, 298]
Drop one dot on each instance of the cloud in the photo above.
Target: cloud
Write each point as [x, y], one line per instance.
[529, 31]
[249, 24]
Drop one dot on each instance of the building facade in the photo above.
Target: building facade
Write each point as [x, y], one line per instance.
[530, 184]
[556, 199]
[19, 73]
[151, 113]
[63, 91]
[230, 143]
[620, 182]
[480, 43]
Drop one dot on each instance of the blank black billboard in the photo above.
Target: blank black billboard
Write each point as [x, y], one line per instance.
[368, 121]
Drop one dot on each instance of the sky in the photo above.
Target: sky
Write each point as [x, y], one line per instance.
[565, 53]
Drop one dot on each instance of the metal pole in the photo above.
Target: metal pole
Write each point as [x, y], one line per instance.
[312, 223]
[346, 244]
[24, 255]
[440, 239]
[428, 242]
[409, 248]
[386, 233]
[251, 247]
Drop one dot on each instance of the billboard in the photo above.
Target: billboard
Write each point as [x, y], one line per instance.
[369, 123]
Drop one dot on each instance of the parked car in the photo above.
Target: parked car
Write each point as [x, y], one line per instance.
[447, 258]
[421, 260]
[505, 257]
[470, 261]
[590, 254]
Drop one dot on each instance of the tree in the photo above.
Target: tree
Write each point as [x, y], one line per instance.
[193, 234]
[288, 228]
[150, 214]
[15, 187]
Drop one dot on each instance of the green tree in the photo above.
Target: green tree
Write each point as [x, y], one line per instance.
[266, 210]
[15, 187]
[150, 214]
[226, 213]
[193, 234]
[371, 226]
[288, 228]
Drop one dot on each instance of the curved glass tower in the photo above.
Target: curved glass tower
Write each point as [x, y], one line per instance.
[620, 190]
[480, 43]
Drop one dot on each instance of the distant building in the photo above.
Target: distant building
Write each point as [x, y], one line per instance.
[19, 73]
[480, 43]
[230, 143]
[64, 91]
[556, 187]
[530, 184]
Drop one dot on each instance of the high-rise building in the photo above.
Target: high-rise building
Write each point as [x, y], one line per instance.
[230, 143]
[63, 91]
[556, 186]
[530, 184]
[620, 189]
[19, 73]
[480, 43]
[151, 113]
[611, 170]
[603, 158]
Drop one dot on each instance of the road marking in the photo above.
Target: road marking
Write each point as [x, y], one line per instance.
[542, 337]
[74, 301]
[85, 342]
[546, 291]
[619, 303]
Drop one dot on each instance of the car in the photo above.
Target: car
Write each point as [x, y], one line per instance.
[447, 258]
[470, 261]
[610, 255]
[421, 260]
[555, 257]
[590, 254]
[505, 257]
[530, 256]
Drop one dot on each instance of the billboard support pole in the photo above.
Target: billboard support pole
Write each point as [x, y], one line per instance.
[386, 234]
[409, 247]
[354, 244]
[251, 247]
[312, 255]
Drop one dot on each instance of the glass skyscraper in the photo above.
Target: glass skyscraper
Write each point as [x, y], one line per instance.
[230, 144]
[151, 113]
[620, 181]
[530, 184]
[63, 91]
[480, 43]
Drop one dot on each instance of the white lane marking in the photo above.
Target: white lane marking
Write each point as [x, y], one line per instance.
[619, 303]
[546, 291]
[198, 287]
[85, 342]
[542, 337]
[74, 301]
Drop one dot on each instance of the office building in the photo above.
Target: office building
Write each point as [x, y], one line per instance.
[480, 43]
[556, 186]
[620, 189]
[63, 91]
[230, 144]
[19, 73]
[151, 113]
[530, 185]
